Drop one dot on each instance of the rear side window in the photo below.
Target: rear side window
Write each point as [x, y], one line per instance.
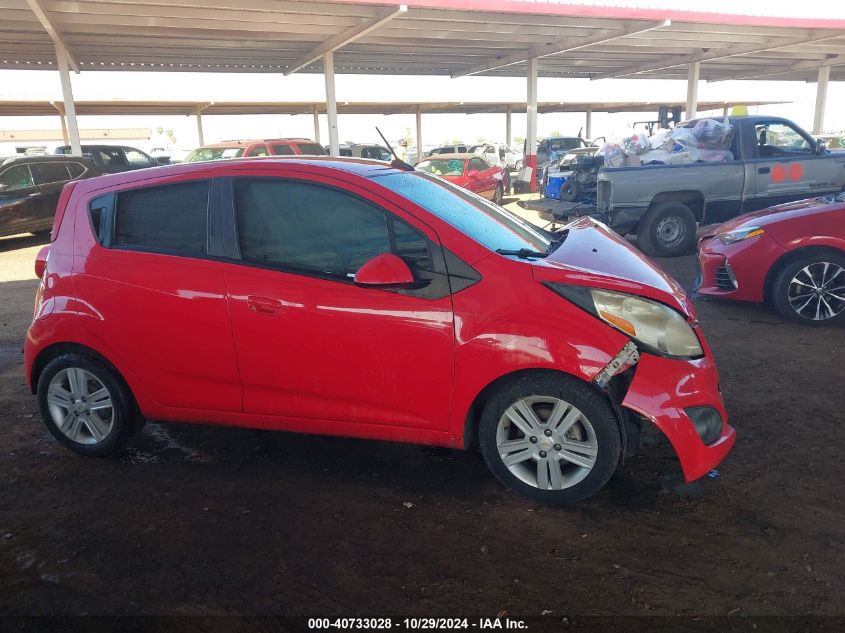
[171, 218]
[46, 173]
[311, 149]
[75, 169]
[282, 150]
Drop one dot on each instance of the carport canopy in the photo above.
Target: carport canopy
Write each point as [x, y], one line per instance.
[571, 38]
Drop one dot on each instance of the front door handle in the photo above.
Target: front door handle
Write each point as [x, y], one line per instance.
[34, 194]
[264, 305]
[764, 170]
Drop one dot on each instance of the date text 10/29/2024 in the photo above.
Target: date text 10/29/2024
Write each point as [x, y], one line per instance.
[416, 624]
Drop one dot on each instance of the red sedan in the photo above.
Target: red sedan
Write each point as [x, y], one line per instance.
[791, 255]
[348, 297]
[469, 171]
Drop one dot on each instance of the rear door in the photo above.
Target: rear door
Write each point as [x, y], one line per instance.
[50, 177]
[21, 201]
[315, 348]
[155, 292]
[786, 167]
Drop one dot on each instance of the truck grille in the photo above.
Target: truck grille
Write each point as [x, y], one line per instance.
[724, 279]
[603, 195]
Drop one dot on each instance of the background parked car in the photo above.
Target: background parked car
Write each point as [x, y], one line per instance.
[449, 149]
[114, 159]
[364, 150]
[470, 172]
[267, 147]
[498, 154]
[791, 255]
[30, 187]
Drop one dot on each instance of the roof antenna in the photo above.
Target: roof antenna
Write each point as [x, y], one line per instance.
[397, 162]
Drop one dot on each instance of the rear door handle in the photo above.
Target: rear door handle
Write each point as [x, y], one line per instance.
[264, 305]
[34, 194]
[764, 170]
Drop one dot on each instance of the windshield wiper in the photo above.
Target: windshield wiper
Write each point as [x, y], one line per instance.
[522, 253]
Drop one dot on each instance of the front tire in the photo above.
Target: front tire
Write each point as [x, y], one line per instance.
[667, 230]
[85, 405]
[550, 437]
[811, 290]
[500, 192]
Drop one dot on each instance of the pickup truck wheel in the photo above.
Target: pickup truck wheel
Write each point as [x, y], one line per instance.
[811, 290]
[667, 230]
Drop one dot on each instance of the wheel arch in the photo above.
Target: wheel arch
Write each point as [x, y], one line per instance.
[691, 198]
[51, 352]
[788, 258]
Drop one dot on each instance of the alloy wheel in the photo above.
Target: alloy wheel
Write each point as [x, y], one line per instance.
[817, 291]
[546, 442]
[80, 405]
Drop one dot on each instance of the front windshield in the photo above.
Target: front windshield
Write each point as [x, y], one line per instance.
[564, 144]
[443, 166]
[488, 224]
[213, 153]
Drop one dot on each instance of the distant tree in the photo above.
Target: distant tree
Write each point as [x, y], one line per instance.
[481, 139]
[519, 140]
[555, 133]
[168, 134]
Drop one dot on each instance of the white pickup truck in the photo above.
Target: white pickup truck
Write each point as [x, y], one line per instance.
[773, 161]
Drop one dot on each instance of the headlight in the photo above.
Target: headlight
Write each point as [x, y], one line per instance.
[737, 235]
[657, 327]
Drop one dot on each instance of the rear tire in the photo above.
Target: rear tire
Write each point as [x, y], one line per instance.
[551, 438]
[85, 405]
[500, 192]
[667, 230]
[794, 297]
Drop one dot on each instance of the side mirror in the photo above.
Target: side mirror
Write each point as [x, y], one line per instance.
[821, 146]
[162, 160]
[385, 270]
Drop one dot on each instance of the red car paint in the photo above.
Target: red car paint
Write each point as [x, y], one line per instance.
[482, 181]
[787, 228]
[212, 340]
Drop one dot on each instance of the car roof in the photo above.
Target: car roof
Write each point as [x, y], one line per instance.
[43, 158]
[245, 142]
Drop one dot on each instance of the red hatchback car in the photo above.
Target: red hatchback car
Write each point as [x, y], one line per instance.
[791, 256]
[469, 171]
[348, 297]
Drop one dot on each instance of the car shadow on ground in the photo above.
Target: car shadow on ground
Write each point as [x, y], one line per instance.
[24, 240]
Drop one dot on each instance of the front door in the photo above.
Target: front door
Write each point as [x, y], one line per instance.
[787, 168]
[21, 201]
[313, 345]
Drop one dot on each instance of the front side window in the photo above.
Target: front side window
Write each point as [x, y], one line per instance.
[486, 223]
[45, 173]
[777, 139]
[213, 153]
[280, 149]
[312, 149]
[169, 218]
[112, 157]
[259, 150]
[318, 230]
[477, 164]
[138, 159]
[17, 177]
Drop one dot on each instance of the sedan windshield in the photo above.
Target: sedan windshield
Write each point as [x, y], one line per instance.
[213, 153]
[443, 166]
[488, 224]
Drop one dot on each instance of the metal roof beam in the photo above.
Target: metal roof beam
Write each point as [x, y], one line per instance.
[348, 36]
[707, 55]
[41, 13]
[562, 45]
[833, 60]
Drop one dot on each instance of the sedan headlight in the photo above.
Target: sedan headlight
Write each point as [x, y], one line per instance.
[656, 327]
[737, 235]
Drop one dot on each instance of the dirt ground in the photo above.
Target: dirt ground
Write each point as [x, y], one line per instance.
[218, 521]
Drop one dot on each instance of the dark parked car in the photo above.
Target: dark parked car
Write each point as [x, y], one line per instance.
[114, 159]
[30, 188]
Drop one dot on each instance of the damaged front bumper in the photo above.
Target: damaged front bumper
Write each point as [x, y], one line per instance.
[680, 397]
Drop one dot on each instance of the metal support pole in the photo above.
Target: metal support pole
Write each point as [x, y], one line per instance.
[419, 134]
[200, 136]
[821, 99]
[588, 123]
[69, 106]
[531, 134]
[331, 103]
[692, 90]
[317, 125]
[508, 128]
[726, 110]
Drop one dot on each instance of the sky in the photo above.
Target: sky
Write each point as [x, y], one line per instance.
[437, 128]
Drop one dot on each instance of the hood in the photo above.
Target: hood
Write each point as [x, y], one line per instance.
[779, 213]
[593, 255]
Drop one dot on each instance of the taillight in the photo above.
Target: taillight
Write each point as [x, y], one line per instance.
[41, 261]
